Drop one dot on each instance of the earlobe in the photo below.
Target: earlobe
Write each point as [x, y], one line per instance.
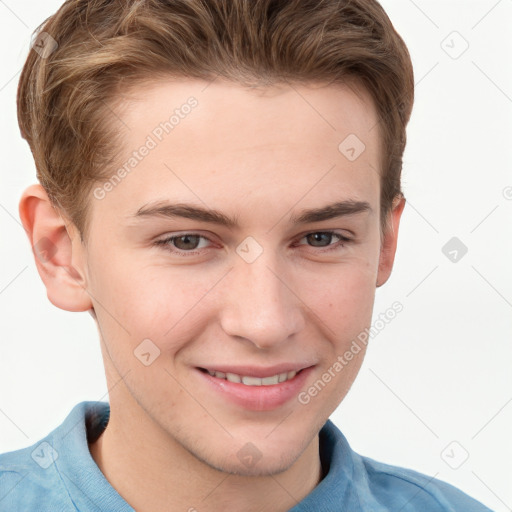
[389, 242]
[57, 255]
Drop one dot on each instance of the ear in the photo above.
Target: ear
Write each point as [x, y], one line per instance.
[389, 241]
[58, 250]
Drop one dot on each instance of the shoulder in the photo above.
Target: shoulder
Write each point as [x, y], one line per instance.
[415, 491]
[29, 480]
[40, 477]
[374, 485]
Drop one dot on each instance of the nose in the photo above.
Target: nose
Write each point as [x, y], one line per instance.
[259, 303]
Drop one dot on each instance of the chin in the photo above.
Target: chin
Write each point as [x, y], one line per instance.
[262, 465]
[253, 455]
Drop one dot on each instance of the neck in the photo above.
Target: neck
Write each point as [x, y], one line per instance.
[152, 472]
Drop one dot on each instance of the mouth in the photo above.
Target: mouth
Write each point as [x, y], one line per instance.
[252, 380]
[255, 388]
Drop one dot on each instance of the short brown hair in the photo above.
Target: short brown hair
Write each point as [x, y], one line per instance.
[64, 97]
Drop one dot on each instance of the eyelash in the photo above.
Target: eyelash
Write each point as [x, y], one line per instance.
[166, 242]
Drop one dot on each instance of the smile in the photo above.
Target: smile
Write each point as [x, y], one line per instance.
[249, 380]
[256, 388]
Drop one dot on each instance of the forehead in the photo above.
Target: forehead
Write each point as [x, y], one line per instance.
[249, 115]
[220, 142]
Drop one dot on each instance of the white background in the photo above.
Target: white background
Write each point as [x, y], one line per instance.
[441, 371]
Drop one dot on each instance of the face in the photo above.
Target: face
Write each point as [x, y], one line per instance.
[244, 271]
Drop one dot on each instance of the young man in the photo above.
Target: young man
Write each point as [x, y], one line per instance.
[220, 188]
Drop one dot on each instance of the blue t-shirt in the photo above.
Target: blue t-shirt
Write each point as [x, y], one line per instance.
[58, 474]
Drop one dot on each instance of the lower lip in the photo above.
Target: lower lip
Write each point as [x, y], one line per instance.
[258, 398]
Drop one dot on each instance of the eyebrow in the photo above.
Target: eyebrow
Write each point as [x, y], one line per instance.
[188, 211]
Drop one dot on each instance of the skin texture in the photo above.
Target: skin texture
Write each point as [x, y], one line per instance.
[261, 156]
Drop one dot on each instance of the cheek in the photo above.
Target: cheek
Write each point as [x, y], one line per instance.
[157, 302]
[343, 295]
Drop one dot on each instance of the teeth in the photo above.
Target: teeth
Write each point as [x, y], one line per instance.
[233, 377]
[269, 381]
[251, 381]
[254, 381]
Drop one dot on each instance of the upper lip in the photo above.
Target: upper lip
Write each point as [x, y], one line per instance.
[257, 371]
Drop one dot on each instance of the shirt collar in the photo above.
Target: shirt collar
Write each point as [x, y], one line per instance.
[87, 485]
[338, 468]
